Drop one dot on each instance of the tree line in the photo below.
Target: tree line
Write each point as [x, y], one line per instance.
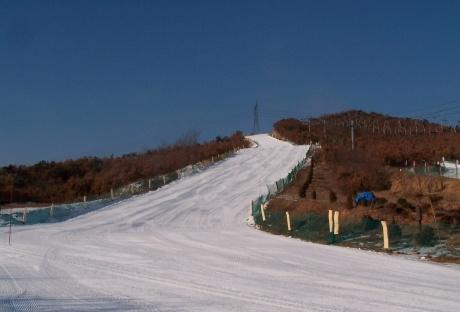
[69, 180]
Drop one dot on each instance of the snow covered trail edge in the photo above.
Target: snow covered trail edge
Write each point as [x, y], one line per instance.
[186, 247]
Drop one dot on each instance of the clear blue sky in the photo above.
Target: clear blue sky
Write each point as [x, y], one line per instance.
[110, 77]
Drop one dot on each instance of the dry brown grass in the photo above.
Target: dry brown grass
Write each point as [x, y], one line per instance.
[71, 179]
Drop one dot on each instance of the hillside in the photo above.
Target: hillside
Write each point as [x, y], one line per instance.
[65, 181]
[186, 247]
[388, 140]
[381, 144]
[398, 159]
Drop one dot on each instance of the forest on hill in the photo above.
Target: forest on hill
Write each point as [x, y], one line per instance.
[69, 180]
[380, 141]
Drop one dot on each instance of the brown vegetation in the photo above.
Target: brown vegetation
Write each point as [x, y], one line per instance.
[383, 145]
[388, 140]
[69, 180]
[380, 141]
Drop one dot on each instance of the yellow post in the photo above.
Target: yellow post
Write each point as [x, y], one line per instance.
[336, 222]
[386, 242]
[262, 209]
[331, 221]
[288, 219]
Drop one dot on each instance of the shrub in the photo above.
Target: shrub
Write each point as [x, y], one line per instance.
[292, 129]
[332, 196]
[380, 140]
[391, 206]
[349, 201]
[405, 204]
[308, 179]
[380, 201]
[435, 198]
[92, 176]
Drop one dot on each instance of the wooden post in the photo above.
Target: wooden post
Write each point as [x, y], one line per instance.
[24, 215]
[336, 223]
[262, 210]
[331, 221]
[150, 184]
[288, 219]
[386, 243]
[52, 210]
[164, 180]
[84, 199]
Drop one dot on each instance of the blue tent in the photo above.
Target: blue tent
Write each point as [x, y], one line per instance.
[364, 196]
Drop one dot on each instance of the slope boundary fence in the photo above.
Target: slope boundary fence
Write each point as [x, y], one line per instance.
[60, 212]
[430, 239]
[258, 205]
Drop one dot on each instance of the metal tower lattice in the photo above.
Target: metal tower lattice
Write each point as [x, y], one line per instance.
[256, 127]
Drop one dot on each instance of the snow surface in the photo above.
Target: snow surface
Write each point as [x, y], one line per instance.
[186, 247]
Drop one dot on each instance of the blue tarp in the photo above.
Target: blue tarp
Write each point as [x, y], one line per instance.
[364, 196]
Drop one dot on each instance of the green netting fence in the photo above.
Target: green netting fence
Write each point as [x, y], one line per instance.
[279, 185]
[63, 211]
[433, 239]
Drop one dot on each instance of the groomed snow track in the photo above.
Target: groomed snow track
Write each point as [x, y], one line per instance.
[186, 247]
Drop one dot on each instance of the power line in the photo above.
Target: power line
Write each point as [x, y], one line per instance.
[428, 110]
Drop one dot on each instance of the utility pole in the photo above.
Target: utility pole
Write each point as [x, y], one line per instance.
[12, 179]
[11, 220]
[255, 126]
[352, 136]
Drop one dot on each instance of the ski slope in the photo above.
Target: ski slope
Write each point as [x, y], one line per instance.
[186, 247]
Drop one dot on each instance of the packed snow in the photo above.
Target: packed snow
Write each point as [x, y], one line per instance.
[187, 247]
